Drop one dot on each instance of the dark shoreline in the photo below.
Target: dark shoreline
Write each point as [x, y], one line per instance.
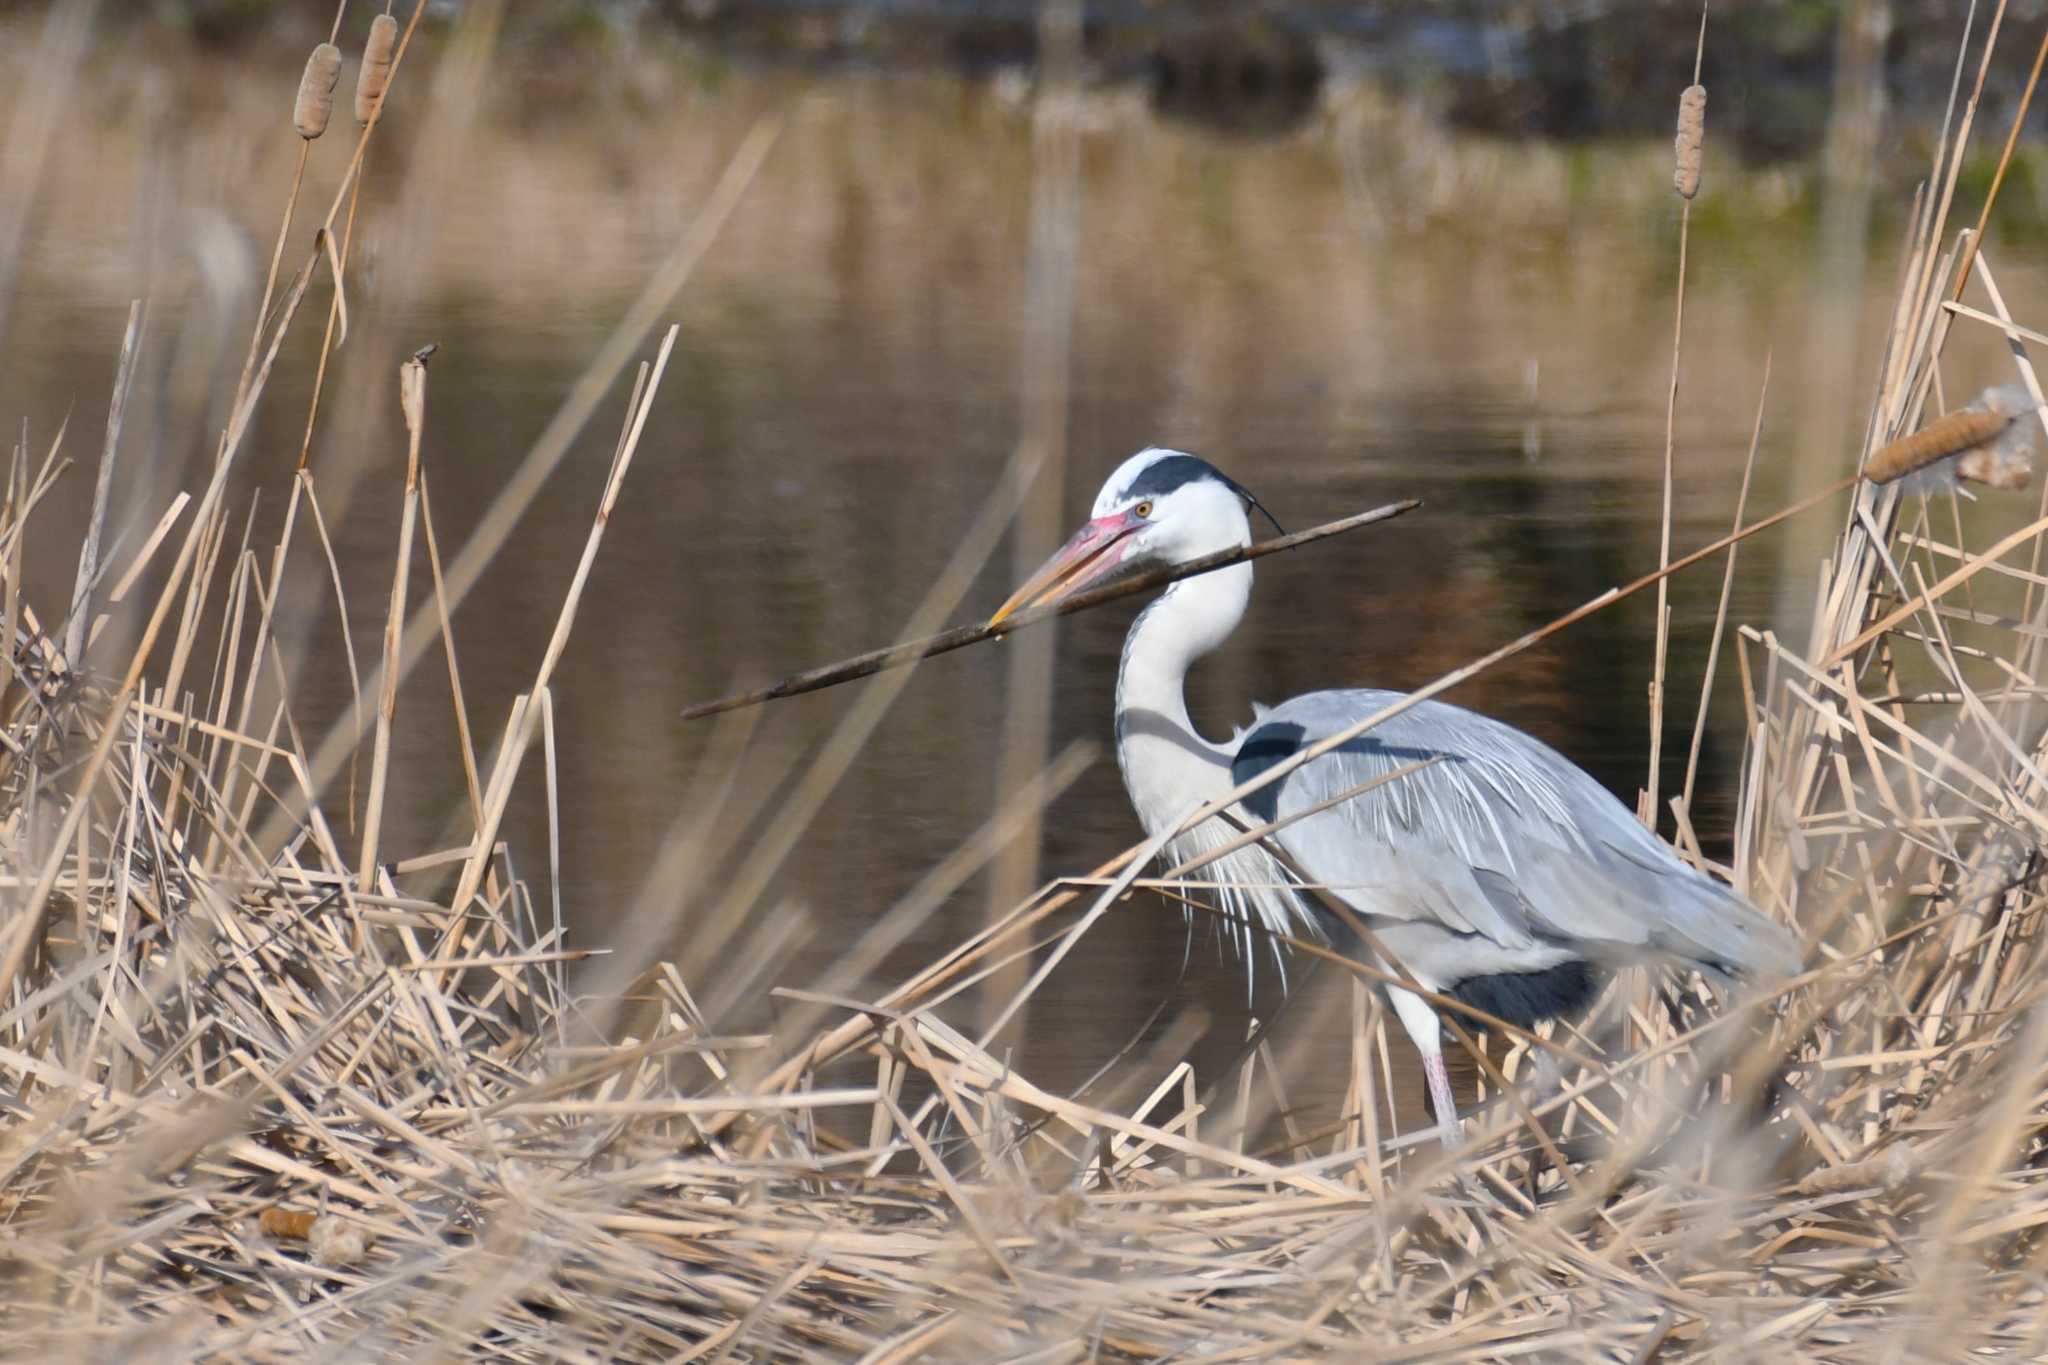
[1545, 69]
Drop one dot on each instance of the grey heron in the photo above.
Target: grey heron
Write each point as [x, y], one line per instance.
[1501, 874]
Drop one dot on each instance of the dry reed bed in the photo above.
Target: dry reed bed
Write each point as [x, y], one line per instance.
[264, 1104]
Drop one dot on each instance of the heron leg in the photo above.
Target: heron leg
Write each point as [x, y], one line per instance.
[1421, 1023]
[1449, 1126]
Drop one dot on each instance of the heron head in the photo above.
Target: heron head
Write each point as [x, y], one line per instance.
[1159, 507]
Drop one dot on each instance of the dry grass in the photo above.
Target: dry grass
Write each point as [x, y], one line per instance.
[265, 1104]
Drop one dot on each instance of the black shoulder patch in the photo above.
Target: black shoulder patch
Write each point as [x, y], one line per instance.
[1524, 998]
[1262, 748]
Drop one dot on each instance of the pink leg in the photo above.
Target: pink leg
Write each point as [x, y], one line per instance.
[1421, 1023]
[1449, 1127]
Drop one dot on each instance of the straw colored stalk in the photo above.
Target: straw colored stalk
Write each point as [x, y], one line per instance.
[1691, 113]
[382, 54]
[1699, 724]
[236, 773]
[75, 634]
[310, 113]
[525, 719]
[412, 400]
[1927, 333]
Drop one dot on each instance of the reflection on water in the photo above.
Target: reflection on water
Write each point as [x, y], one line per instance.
[1365, 311]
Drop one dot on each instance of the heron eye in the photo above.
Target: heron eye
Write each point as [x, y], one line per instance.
[1143, 509]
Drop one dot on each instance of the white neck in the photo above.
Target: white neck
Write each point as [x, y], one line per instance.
[1166, 764]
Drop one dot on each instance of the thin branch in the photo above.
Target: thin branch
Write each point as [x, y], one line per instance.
[898, 656]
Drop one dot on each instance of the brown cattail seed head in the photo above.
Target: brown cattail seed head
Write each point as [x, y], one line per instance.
[1692, 126]
[376, 69]
[1893, 1170]
[1989, 441]
[316, 91]
[292, 1224]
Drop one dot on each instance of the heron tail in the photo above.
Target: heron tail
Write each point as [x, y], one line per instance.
[1714, 928]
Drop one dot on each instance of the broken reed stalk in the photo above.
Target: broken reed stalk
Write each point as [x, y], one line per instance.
[80, 617]
[213, 539]
[10, 617]
[520, 730]
[2012, 138]
[1969, 568]
[412, 389]
[327, 339]
[304, 485]
[464, 741]
[1699, 724]
[902, 655]
[231, 784]
[228, 654]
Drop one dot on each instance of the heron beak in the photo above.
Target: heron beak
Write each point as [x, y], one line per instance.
[1087, 558]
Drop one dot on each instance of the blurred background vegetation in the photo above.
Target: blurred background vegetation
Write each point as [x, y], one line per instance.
[1559, 68]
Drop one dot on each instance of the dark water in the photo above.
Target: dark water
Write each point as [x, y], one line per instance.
[1483, 326]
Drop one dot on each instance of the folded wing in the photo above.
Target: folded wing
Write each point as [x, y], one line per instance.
[1499, 838]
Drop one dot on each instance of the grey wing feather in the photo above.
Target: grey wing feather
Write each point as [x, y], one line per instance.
[1501, 837]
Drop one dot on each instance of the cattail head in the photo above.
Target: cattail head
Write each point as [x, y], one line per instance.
[375, 74]
[316, 91]
[1988, 441]
[1692, 127]
[288, 1224]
